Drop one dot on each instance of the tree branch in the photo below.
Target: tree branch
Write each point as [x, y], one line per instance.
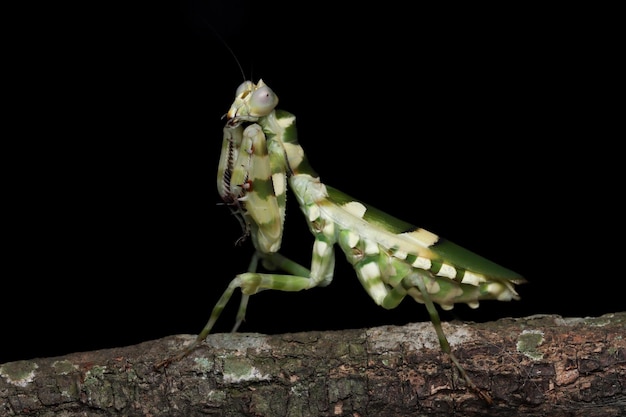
[533, 366]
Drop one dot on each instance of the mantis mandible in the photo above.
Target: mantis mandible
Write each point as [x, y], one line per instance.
[261, 158]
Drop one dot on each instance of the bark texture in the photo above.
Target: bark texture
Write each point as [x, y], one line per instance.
[533, 366]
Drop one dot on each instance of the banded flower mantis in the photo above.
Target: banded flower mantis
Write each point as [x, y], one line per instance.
[261, 158]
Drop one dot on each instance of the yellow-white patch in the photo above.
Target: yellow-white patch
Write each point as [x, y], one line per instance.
[400, 254]
[505, 296]
[370, 277]
[295, 154]
[329, 229]
[285, 122]
[447, 271]
[501, 292]
[371, 248]
[278, 180]
[313, 211]
[370, 271]
[423, 237]
[345, 216]
[472, 278]
[355, 208]
[320, 247]
[352, 239]
[422, 263]
[378, 292]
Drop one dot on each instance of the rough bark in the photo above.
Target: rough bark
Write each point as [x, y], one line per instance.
[534, 366]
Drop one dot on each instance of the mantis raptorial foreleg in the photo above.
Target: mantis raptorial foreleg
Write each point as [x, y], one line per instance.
[418, 279]
[392, 259]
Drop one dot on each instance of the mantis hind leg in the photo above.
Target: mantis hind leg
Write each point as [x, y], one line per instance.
[417, 279]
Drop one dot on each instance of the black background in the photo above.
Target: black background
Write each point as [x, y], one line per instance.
[487, 127]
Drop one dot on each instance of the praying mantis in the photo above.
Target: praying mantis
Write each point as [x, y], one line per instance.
[261, 159]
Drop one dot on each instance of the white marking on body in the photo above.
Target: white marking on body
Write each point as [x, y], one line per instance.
[472, 278]
[501, 292]
[329, 229]
[278, 180]
[295, 154]
[423, 237]
[422, 263]
[320, 247]
[403, 242]
[370, 275]
[370, 271]
[352, 240]
[447, 271]
[371, 248]
[355, 208]
[378, 292]
[400, 254]
[313, 211]
[505, 296]
[285, 122]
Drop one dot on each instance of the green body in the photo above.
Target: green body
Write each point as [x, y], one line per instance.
[261, 158]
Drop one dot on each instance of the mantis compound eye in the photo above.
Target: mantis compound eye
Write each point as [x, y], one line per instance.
[263, 101]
